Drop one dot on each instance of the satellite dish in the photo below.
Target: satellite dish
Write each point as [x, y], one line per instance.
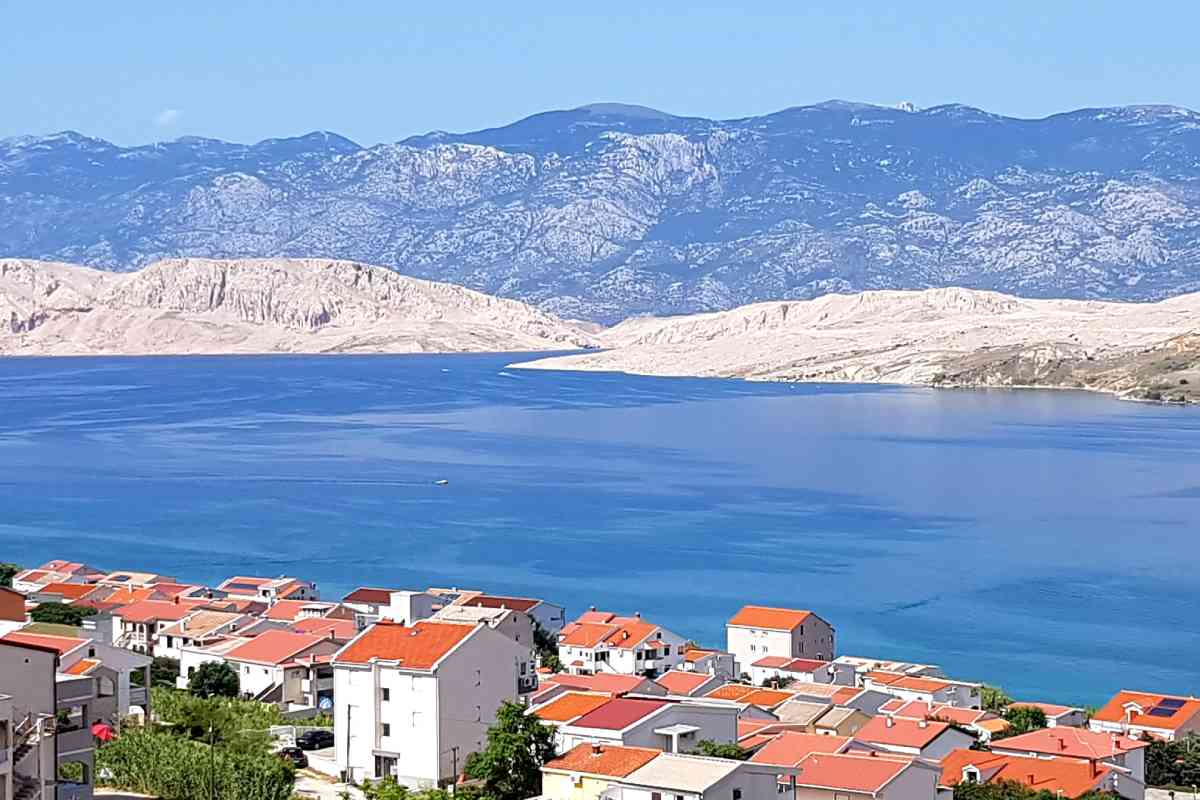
[325, 704]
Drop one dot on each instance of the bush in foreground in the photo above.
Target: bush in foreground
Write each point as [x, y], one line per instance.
[176, 768]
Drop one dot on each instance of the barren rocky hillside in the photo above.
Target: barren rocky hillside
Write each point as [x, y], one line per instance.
[940, 337]
[269, 305]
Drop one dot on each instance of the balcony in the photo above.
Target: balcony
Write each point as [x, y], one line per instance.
[73, 691]
[74, 740]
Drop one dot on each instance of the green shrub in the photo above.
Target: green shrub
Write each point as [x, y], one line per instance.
[176, 768]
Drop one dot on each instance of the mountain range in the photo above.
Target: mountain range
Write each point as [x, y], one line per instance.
[609, 211]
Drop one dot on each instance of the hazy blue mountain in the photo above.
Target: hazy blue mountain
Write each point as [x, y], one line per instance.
[611, 210]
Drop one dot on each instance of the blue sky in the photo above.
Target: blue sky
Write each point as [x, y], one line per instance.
[137, 71]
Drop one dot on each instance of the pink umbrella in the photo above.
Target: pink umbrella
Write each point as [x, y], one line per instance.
[103, 732]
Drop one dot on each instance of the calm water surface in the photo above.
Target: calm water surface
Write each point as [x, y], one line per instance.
[1045, 541]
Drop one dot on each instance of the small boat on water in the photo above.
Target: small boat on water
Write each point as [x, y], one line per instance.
[441, 482]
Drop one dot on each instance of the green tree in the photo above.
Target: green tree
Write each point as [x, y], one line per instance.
[545, 644]
[7, 571]
[707, 747]
[214, 679]
[61, 614]
[163, 671]
[994, 698]
[1023, 719]
[518, 745]
[389, 789]
[1173, 763]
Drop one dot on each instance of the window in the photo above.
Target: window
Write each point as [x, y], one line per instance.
[522, 667]
[656, 796]
[170, 641]
[737, 794]
[385, 694]
[387, 729]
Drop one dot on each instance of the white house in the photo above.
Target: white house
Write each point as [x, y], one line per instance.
[251, 587]
[137, 625]
[934, 691]
[413, 701]
[197, 628]
[711, 662]
[285, 668]
[758, 631]
[549, 616]
[1162, 716]
[673, 726]
[600, 642]
[516, 625]
[800, 670]
[698, 778]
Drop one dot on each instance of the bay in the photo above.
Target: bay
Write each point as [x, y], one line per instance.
[1044, 541]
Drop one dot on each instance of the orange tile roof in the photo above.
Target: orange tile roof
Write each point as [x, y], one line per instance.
[69, 591]
[274, 647]
[1050, 709]
[288, 610]
[82, 667]
[418, 647]
[343, 629]
[695, 654]
[789, 748]
[611, 761]
[849, 772]
[150, 610]
[1072, 778]
[901, 732]
[845, 695]
[126, 596]
[63, 644]
[622, 632]
[1114, 710]
[731, 691]
[766, 698]
[1070, 742]
[569, 705]
[776, 619]
[679, 682]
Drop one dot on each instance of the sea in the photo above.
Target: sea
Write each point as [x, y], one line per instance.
[1044, 541]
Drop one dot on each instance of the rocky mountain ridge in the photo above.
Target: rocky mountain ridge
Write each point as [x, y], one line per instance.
[608, 211]
[262, 305]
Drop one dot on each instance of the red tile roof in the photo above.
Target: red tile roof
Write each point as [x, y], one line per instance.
[850, 772]
[1072, 778]
[901, 732]
[150, 610]
[569, 705]
[418, 647]
[496, 601]
[274, 647]
[1183, 708]
[619, 713]
[771, 662]
[679, 682]
[1050, 709]
[288, 610]
[607, 760]
[1070, 742]
[366, 594]
[68, 591]
[789, 748]
[775, 619]
[61, 644]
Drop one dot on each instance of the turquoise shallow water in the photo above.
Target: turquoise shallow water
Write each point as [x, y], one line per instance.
[1046, 541]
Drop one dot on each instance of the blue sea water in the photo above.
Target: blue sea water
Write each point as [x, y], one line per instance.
[1045, 541]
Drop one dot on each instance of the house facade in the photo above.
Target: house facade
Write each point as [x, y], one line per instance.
[756, 632]
[413, 701]
[602, 642]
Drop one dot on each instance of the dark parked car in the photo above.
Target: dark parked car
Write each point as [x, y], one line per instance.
[315, 740]
[294, 755]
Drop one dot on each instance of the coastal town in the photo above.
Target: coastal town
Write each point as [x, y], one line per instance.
[408, 687]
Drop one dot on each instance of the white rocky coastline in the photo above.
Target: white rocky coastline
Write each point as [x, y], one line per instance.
[943, 337]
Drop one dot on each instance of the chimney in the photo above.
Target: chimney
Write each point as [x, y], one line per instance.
[591, 608]
[889, 721]
[1062, 743]
[1031, 778]
[637, 615]
[921, 723]
[596, 750]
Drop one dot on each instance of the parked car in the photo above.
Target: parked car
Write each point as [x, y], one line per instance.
[315, 740]
[294, 755]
